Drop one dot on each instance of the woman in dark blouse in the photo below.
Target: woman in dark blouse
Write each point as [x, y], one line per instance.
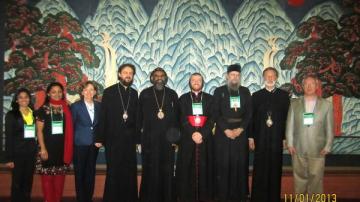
[20, 145]
[55, 135]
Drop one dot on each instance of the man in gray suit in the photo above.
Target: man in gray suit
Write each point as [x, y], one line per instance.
[309, 136]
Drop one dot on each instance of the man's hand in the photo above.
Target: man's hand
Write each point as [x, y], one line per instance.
[10, 165]
[197, 137]
[237, 132]
[292, 150]
[229, 133]
[98, 144]
[324, 152]
[251, 144]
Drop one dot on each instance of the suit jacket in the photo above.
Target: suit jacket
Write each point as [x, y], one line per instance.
[310, 140]
[15, 143]
[84, 128]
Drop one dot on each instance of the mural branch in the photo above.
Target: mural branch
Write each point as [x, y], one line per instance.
[43, 52]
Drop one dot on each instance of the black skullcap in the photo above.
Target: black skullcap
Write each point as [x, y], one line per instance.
[234, 67]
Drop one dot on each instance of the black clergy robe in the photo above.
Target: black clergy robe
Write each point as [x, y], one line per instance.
[187, 185]
[231, 156]
[267, 170]
[157, 152]
[119, 138]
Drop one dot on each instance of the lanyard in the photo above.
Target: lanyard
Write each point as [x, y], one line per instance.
[57, 127]
[197, 107]
[51, 114]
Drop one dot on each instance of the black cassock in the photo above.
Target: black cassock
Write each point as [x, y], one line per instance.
[231, 156]
[267, 171]
[187, 184]
[119, 137]
[157, 152]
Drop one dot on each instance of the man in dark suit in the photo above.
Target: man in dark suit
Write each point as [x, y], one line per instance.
[85, 115]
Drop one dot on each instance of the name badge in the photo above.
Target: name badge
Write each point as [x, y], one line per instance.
[197, 108]
[235, 102]
[308, 119]
[57, 127]
[29, 131]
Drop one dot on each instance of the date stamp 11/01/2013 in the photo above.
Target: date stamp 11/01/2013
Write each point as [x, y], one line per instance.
[310, 198]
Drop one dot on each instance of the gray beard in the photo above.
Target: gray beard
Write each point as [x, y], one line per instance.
[159, 86]
[233, 87]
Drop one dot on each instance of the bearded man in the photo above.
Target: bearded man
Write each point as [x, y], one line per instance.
[194, 171]
[232, 113]
[158, 115]
[267, 137]
[117, 132]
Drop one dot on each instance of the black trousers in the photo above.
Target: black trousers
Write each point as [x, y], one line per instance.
[22, 178]
[85, 170]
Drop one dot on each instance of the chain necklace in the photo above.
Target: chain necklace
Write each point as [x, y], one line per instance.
[160, 113]
[125, 115]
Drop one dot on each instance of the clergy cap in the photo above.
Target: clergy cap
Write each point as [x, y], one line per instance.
[234, 67]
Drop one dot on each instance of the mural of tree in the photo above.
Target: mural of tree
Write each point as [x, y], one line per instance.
[331, 53]
[43, 51]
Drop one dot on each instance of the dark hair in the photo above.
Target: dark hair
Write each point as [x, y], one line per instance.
[84, 85]
[158, 69]
[271, 69]
[121, 67]
[48, 89]
[15, 108]
[197, 74]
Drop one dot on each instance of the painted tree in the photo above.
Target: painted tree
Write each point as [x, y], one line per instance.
[332, 53]
[44, 51]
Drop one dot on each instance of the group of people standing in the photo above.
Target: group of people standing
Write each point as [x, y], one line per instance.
[212, 133]
[49, 139]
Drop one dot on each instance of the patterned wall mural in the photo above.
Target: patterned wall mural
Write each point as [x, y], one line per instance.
[47, 42]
